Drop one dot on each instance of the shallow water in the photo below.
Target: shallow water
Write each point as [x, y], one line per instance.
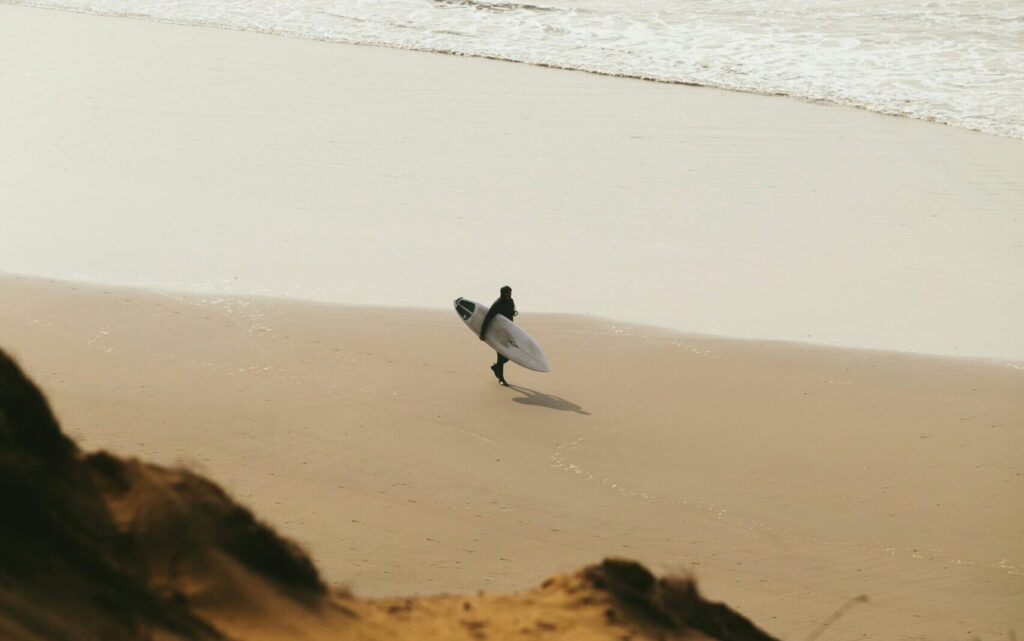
[959, 62]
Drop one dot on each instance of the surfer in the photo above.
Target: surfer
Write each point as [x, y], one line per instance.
[507, 308]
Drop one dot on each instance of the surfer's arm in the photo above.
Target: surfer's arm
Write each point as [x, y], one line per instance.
[487, 321]
[487, 318]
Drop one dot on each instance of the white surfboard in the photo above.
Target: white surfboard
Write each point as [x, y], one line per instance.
[503, 335]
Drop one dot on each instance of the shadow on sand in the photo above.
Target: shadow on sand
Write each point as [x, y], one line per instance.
[533, 397]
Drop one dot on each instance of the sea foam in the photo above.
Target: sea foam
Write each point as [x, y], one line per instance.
[959, 62]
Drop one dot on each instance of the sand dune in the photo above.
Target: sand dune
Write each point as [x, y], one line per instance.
[791, 479]
[98, 547]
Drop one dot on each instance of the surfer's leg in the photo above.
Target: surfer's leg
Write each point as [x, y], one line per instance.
[499, 368]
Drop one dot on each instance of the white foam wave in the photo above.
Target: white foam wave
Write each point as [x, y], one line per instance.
[959, 62]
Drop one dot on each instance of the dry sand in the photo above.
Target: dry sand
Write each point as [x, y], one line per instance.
[789, 478]
[195, 158]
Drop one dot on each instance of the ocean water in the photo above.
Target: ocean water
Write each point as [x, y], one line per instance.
[959, 62]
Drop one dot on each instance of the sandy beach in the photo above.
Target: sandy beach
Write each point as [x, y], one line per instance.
[788, 478]
[785, 336]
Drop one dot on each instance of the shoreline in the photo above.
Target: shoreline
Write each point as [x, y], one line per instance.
[497, 58]
[743, 461]
[368, 175]
[615, 325]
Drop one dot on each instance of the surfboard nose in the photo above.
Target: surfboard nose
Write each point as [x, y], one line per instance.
[465, 308]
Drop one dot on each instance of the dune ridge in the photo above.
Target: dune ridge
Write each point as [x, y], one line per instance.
[120, 548]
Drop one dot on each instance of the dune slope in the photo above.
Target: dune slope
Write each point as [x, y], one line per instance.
[98, 546]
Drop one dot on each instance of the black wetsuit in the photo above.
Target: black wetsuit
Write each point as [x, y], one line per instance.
[507, 308]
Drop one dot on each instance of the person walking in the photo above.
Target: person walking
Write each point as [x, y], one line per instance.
[507, 308]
